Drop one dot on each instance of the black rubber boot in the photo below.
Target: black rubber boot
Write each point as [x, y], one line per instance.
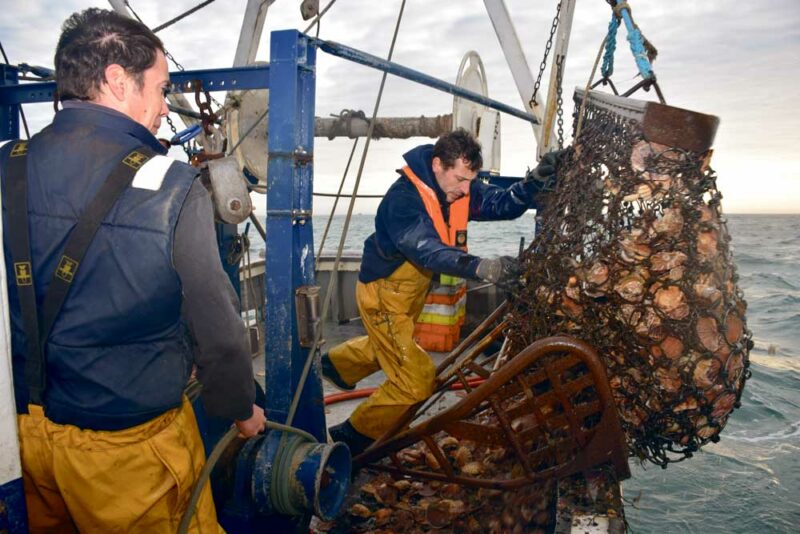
[330, 374]
[355, 440]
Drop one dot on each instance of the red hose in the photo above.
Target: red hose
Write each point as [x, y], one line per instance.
[333, 398]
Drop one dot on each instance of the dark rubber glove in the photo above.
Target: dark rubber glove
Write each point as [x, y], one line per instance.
[504, 270]
[546, 171]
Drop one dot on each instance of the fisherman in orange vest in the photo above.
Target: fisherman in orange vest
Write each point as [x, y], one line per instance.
[420, 229]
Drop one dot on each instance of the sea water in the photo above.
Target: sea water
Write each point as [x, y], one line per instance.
[750, 480]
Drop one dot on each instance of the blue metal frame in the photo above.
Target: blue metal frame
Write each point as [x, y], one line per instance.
[235, 79]
[290, 260]
[9, 113]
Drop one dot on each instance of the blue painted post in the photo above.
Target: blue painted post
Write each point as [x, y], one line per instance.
[9, 113]
[289, 237]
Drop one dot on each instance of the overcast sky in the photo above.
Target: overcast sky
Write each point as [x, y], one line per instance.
[737, 60]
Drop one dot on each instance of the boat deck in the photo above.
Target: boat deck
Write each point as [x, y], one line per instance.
[585, 504]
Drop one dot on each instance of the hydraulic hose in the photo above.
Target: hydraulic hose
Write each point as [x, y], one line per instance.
[333, 398]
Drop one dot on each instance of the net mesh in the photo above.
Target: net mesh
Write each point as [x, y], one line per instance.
[633, 256]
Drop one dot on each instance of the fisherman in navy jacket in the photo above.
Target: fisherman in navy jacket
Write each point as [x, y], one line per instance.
[109, 442]
[420, 229]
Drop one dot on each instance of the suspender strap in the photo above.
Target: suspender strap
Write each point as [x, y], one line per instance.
[84, 231]
[19, 243]
[78, 243]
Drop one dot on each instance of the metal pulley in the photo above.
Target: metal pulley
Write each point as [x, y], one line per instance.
[229, 190]
[479, 120]
[246, 128]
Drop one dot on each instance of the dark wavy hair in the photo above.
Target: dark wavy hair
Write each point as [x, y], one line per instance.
[458, 144]
[93, 39]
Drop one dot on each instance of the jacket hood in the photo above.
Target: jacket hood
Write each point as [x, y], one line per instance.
[420, 160]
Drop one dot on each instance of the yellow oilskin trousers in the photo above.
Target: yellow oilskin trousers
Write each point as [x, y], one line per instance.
[389, 308]
[135, 480]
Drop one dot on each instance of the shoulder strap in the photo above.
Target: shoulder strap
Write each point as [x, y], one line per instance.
[84, 231]
[19, 245]
[80, 238]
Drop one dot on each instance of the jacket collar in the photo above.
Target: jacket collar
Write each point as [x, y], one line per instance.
[420, 159]
[77, 112]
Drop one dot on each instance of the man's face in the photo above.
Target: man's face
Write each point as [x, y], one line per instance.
[148, 104]
[455, 181]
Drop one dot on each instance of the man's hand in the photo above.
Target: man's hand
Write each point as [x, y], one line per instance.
[547, 169]
[503, 271]
[253, 426]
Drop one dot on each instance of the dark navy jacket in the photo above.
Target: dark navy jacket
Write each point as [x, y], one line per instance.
[119, 353]
[405, 231]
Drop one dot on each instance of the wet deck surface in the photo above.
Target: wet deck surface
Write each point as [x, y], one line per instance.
[335, 334]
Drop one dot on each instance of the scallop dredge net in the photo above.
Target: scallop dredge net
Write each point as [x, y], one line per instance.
[633, 257]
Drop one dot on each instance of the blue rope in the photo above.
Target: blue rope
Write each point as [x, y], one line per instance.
[640, 54]
[611, 46]
[637, 46]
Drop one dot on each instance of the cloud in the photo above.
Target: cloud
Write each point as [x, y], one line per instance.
[732, 59]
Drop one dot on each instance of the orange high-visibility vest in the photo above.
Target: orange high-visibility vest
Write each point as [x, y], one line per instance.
[453, 234]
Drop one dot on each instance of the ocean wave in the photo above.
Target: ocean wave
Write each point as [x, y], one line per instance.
[783, 434]
[767, 279]
[775, 362]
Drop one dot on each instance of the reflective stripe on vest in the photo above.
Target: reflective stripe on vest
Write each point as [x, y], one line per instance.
[459, 211]
[444, 314]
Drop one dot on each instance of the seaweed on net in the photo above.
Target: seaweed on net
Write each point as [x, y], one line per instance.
[633, 256]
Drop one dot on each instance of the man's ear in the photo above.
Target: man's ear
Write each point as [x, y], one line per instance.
[116, 81]
[436, 164]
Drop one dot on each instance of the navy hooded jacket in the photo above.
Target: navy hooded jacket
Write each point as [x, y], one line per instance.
[404, 231]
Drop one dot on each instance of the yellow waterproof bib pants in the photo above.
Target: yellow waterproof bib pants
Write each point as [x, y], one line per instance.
[133, 480]
[389, 308]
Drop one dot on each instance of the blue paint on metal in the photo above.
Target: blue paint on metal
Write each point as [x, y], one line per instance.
[13, 514]
[231, 79]
[233, 494]
[260, 477]
[9, 113]
[375, 62]
[227, 240]
[290, 260]
[324, 475]
[335, 481]
[306, 475]
[239, 78]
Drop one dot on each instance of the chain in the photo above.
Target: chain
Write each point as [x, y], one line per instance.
[543, 64]
[560, 101]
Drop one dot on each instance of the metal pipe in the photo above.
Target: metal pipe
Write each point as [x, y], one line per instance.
[386, 127]
[375, 62]
[181, 16]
